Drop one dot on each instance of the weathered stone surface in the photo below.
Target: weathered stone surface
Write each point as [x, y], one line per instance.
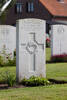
[59, 40]
[30, 48]
[7, 39]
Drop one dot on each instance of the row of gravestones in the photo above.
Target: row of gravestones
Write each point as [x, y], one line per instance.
[7, 40]
[29, 40]
[59, 40]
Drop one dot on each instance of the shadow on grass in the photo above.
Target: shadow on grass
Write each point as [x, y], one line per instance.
[54, 81]
[51, 62]
[3, 86]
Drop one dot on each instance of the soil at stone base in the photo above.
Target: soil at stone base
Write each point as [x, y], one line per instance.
[5, 86]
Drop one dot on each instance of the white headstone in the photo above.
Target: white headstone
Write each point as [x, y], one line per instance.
[59, 40]
[7, 39]
[30, 48]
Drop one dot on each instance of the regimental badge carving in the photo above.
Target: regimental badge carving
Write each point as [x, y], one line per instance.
[60, 30]
[31, 47]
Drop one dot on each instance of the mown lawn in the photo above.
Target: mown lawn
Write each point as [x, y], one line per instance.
[53, 70]
[53, 92]
[56, 71]
[48, 54]
[5, 71]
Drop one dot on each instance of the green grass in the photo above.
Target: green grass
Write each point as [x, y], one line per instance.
[53, 92]
[57, 71]
[54, 70]
[4, 71]
[48, 54]
[8, 68]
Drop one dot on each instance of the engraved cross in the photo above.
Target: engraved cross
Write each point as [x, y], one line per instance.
[32, 48]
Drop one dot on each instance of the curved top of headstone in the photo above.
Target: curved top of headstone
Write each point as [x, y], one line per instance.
[58, 25]
[32, 19]
[7, 26]
[60, 28]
